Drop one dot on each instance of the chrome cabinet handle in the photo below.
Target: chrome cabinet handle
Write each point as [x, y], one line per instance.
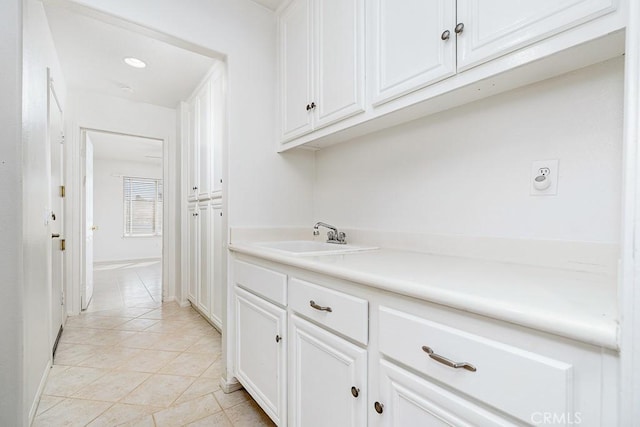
[459, 28]
[448, 362]
[319, 307]
[56, 235]
[445, 35]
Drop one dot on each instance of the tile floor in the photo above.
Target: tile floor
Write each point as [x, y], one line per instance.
[133, 361]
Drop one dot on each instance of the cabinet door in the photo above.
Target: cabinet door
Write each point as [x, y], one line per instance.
[338, 60]
[408, 400]
[407, 47]
[218, 284]
[294, 27]
[323, 370]
[204, 273]
[496, 27]
[217, 131]
[261, 351]
[193, 253]
[204, 141]
[192, 150]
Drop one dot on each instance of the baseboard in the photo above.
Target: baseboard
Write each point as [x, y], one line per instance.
[36, 399]
[230, 386]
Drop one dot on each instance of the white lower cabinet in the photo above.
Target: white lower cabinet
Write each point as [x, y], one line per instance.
[261, 352]
[408, 400]
[206, 259]
[327, 378]
[361, 357]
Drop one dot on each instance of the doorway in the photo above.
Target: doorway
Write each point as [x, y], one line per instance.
[123, 216]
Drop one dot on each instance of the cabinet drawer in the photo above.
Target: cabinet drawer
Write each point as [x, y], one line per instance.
[262, 281]
[348, 316]
[513, 380]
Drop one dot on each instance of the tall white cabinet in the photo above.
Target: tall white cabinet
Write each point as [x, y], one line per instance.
[204, 228]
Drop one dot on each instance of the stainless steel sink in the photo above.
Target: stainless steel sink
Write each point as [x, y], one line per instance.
[311, 248]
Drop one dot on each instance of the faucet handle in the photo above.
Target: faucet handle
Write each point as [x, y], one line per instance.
[342, 237]
[331, 235]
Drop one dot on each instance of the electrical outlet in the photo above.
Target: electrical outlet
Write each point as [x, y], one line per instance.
[544, 178]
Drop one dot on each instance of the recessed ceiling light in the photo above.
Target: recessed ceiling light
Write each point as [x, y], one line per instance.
[135, 62]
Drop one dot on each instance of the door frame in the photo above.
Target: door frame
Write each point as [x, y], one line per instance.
[78, 229]
[53, 96]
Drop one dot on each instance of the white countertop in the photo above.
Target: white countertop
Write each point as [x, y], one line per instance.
[572, 304]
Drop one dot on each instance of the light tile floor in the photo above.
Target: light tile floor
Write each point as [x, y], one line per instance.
[140, 363]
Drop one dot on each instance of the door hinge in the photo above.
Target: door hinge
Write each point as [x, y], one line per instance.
[62, 191]
[63, 244]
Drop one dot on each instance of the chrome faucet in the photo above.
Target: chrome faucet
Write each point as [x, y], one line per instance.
[333, 236]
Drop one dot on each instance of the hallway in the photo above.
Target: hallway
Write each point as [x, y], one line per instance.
[133, 361]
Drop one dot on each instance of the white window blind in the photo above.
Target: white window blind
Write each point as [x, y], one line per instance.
[142, 206]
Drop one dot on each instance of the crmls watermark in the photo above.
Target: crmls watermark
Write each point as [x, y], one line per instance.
[556, 418]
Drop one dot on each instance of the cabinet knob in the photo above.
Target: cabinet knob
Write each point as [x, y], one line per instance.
[313, 105]
[278, 338]
[355, 391]
[445, 35]
[459, 28]
[308, 107]
[378, 407]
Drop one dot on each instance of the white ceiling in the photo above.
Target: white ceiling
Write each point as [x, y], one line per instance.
[91, 53]
[125, 148]
[271, 4]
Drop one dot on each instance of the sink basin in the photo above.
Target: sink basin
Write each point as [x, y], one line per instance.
[311, 248]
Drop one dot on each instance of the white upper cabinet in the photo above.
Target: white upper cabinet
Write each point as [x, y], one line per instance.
[413, 45]
[321, 72]
[339, 60]
[495, 27]
[295, 69]
[205, 123]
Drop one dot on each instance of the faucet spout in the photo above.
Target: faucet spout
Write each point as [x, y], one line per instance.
[333, 236]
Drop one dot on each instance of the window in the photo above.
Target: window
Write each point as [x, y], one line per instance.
[142, 207]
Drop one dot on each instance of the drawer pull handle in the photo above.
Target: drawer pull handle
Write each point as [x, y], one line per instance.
[319, 307]
[448, 362]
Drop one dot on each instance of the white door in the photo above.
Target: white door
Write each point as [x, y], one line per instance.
[338, 60]
[327, 377]
[194, 251]
[496, 27]
[204, 141]
[89, 226]
[217, 239]
[192, 149]
[261, 351]
[217, 129]
[413, 44]
[294, 28]
[206, 259]
[56, 220]
[407, 400]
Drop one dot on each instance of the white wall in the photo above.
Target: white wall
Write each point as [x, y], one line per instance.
[94, 111]
[466, 171]
[11, 298]
[39, 53]
[108, 241]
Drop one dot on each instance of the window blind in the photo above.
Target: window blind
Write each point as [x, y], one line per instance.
[142, 206]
